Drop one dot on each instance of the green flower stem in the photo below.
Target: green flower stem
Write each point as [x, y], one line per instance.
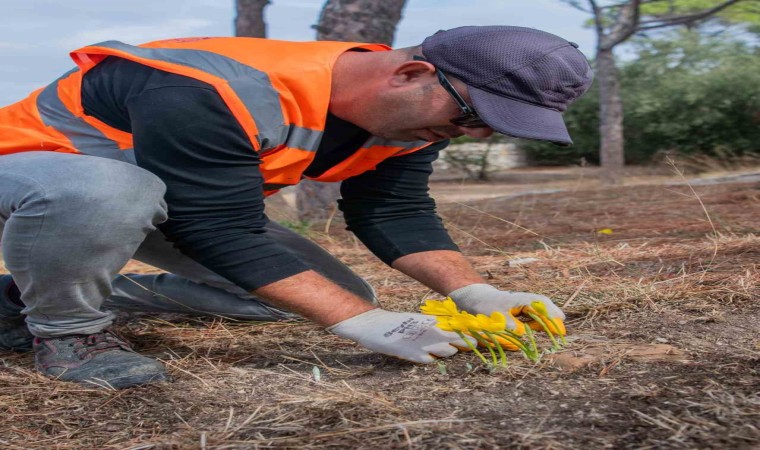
[532, 339]
[512, 333]
[477, 338]
[535, 355]
[530, 352]
[511, 338]
[486, 344]
[562, 338]
[527, 351]
[498, 347]
[555, 345]
[472, 347]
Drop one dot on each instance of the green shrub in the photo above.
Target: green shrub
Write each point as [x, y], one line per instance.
[690, 93]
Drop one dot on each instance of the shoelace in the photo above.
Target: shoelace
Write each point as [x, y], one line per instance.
[98, 343]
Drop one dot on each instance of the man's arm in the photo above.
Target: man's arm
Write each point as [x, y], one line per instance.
[390, 210]
[444, 271]
[314, 297]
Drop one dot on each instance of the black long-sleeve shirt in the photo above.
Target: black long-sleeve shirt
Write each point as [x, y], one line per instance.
[184, 133]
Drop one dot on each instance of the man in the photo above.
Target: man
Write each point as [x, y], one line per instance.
[164, 153]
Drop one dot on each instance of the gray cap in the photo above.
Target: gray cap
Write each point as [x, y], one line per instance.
[520, 79]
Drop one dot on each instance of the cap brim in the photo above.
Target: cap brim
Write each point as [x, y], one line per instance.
[519, 119]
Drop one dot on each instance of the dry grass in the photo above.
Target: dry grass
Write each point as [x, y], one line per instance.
[664, 349]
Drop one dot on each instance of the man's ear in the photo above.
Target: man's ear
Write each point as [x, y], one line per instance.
[410, 72]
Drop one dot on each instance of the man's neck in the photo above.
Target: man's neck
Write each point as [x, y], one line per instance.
[356, 78]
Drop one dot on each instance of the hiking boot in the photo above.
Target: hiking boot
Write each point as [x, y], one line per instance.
[14, 334]
[102, 359]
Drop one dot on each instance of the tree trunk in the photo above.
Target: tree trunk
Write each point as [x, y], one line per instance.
[611, 118]
[249, 21]
[359, 20]
[346, 20]
[614, 25]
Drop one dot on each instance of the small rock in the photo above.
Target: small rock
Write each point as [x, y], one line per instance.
[521, 261]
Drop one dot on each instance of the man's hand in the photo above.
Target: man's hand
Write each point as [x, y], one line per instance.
[484, 299]
[410, 336]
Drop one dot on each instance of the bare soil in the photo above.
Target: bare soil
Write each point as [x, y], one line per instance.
[663, 347]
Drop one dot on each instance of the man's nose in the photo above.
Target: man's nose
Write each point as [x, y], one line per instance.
[477, 133]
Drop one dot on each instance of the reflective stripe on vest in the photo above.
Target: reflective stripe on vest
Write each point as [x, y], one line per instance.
[403, 146]
[374, 151]
[83, 136]
[252, 86]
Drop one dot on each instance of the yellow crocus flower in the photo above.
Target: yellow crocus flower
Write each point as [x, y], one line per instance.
[440, 308]
[519, 326]
[496, 322]
[539, 308]
[463, 322]
[555, 325]
[467, 323]
[444, 323]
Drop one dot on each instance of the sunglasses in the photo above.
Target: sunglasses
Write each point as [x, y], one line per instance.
[468, 117]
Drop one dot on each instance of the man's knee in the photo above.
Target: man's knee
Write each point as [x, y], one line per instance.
[93, 189]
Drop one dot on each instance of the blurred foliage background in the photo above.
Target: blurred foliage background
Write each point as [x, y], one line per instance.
[684, 91]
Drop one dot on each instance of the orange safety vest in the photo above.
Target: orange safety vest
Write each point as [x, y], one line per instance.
[279, 92]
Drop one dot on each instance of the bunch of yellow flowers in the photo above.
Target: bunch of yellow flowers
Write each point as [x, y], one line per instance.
[492, 333]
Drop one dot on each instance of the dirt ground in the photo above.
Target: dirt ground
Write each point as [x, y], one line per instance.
[664, 345]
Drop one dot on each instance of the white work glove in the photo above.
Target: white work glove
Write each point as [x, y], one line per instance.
[410, 336]
[485, 299]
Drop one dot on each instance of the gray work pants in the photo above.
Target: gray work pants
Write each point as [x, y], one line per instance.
[69, 223]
